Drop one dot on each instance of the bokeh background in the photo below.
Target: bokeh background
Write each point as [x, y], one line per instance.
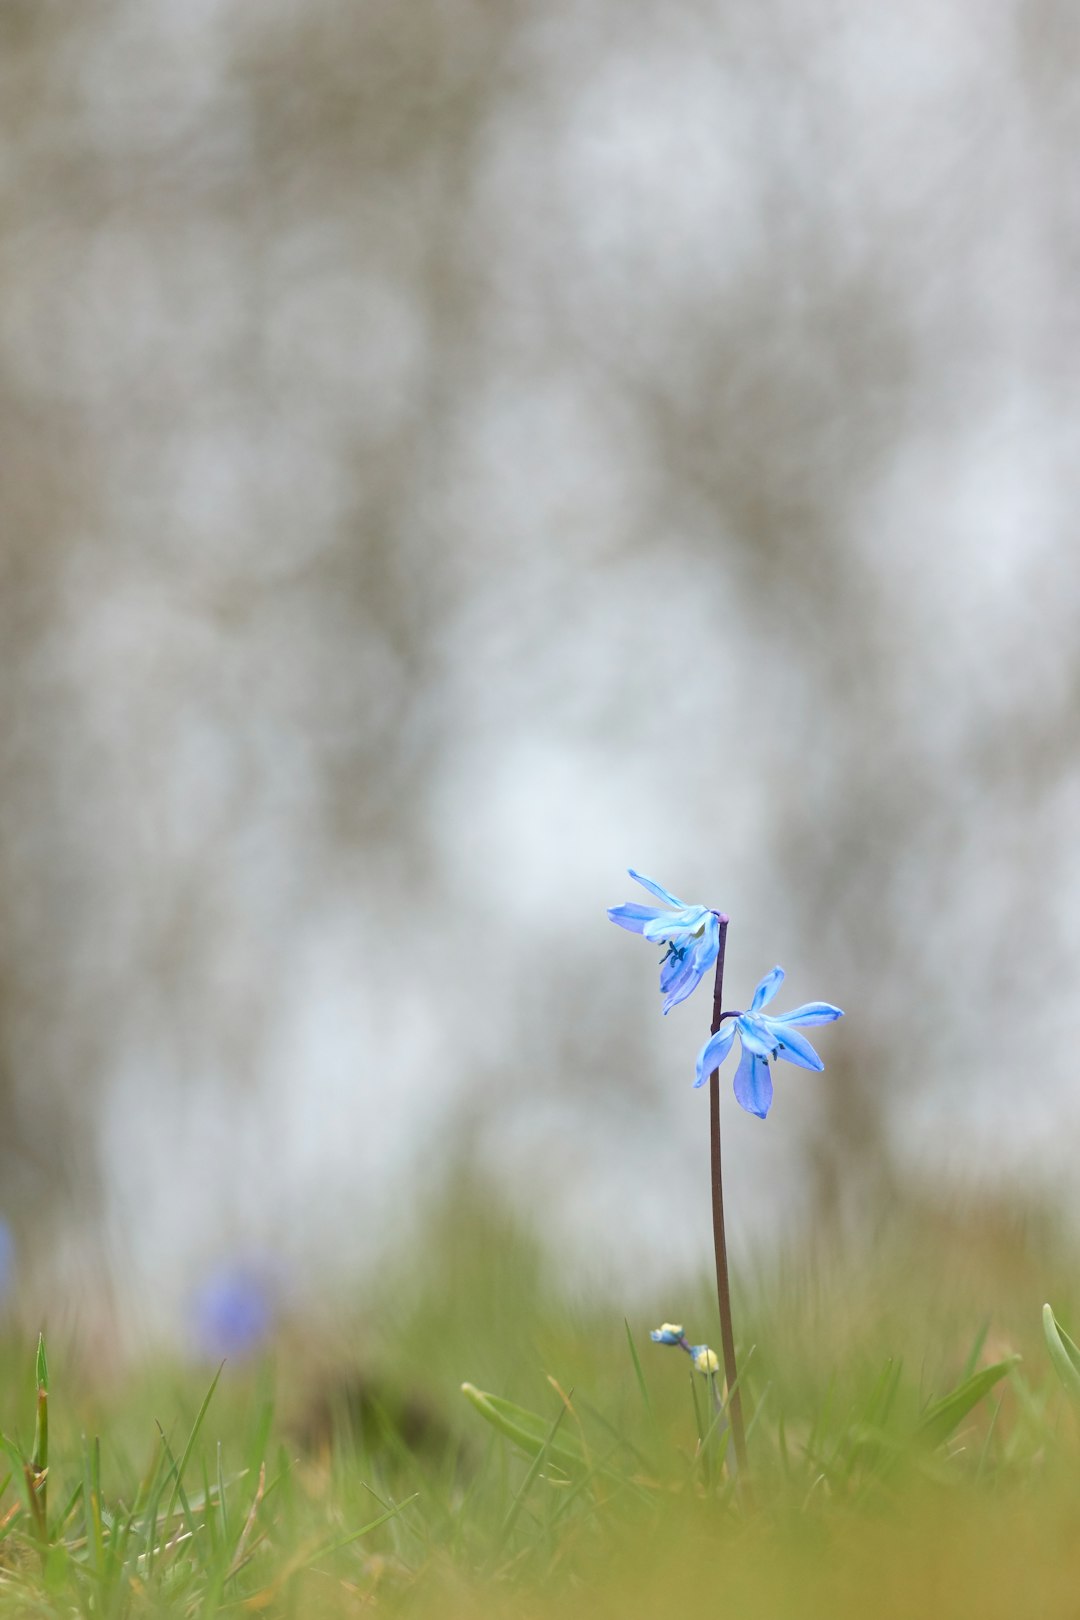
[450, 452]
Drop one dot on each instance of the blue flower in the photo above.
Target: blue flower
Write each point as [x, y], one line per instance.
[7, 1257]
[233, 1312]
[763, 1037]
[691, 934]
[705, 1360]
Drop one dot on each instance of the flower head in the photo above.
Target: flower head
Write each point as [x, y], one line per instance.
[7, 1257]
[233, 1312]
[763, 1037]
[691, 934]
[706, 1361]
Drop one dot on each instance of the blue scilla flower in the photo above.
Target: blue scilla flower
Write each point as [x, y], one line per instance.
[233, 1312]
[763, 1037]
[691, 934]
[7, 1257]
[705, 1360]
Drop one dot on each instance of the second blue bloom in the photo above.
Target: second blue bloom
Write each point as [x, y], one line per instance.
[764, 1036]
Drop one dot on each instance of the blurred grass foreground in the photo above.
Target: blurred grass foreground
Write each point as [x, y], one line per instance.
[913, 1444]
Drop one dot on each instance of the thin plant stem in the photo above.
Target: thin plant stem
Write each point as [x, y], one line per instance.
[723, 1284]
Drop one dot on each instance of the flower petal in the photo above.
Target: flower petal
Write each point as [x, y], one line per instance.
[686, 987]
[768, 987]
[655, 888]
[701, 950]
[813, 1012]
[671, 966]
[753, 1084]
[682, 970]
[714, 1051]
[707, 945]
[795, 1047]
[757, 1036]
[677, 925]
[682, 984]
[633, 917]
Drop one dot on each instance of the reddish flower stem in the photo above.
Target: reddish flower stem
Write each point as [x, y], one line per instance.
[723, 1284]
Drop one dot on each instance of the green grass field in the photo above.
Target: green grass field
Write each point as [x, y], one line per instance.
[914, 1447]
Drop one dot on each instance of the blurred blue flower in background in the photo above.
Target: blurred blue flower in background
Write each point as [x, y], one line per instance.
[7, 1257]
[691, 933]
[764, 1037]
[233, 1311]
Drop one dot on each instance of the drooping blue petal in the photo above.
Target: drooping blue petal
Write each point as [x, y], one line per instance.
[671, 966]
[633, 917]
[699, 951]
[680, 985]
[795, 1047]
[688, 961]
[768, 987]
[686, 986]
[813, 1012]
[756, 1035]
[714, 1051]
[655, 888]
[707, 946]
[753, 1084]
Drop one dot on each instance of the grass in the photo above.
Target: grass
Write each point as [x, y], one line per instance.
[914, 1446]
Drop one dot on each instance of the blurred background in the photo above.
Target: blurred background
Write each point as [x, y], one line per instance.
[451, 452]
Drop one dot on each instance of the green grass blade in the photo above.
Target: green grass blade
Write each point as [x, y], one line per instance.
[223, 1506]
[39, 1457]
[41, 1368]
[944, 1416]
[95, 1544]
[364, 1530]
[157, 1485]
[188, 1449]
[1063, 1352]
[526, 1485]
[209, 1512]
[525, 1428]
[976, 1349]
[639, 1371]
[179, 1495]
